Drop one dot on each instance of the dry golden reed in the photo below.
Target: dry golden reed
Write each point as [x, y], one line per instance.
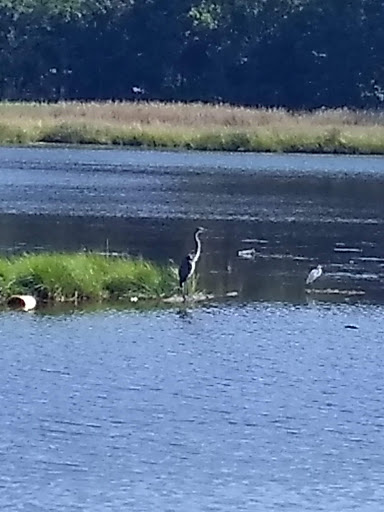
[192, 126]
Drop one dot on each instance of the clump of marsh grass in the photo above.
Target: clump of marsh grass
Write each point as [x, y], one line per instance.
[16, 134]
[61, 277]
[72, 133]
[139, 278]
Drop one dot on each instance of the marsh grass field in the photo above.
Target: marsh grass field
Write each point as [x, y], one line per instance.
[87, 277]
[194, 126]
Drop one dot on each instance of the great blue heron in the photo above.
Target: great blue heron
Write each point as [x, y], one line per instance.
[188, 264]
[314, 274]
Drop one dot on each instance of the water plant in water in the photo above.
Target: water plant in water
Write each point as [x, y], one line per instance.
[61, 277]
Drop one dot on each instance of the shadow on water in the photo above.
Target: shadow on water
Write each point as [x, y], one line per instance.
[291, 211]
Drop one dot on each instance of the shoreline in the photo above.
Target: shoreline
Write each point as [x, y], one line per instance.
[109, 147]
[191, 127]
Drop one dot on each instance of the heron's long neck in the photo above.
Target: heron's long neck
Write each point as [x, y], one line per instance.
[197, 248]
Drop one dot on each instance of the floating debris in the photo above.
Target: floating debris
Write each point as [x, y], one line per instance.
[370, 258]
[232, 294]
[247, 253]
[347, 249]
[254, 240]
[330, 291]
[351, 326]
[196, 297]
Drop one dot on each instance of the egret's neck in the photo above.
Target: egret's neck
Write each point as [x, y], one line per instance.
[197, 247]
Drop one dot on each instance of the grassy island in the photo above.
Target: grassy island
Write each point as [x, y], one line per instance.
[80, 277]
[193, 126]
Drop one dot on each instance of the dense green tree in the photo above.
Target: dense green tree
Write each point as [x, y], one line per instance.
[295, 53]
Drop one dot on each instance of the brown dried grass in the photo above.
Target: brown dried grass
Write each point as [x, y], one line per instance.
[193, 125]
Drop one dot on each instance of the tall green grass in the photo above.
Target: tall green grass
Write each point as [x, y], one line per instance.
[193, 126]
[61, 277]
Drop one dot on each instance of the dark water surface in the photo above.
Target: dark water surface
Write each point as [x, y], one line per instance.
[269, 402]
[295, 210]
[244, 407]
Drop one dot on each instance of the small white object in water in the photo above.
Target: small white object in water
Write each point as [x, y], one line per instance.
[247, 253]
[314, 274]
[347, 249]
[134, 299]
[232, 294]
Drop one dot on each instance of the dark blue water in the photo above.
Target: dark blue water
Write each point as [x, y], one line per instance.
[181, 185]
[241, 407]
[269, 402]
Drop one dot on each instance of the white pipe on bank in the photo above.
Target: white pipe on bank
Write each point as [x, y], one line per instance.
[24, 302]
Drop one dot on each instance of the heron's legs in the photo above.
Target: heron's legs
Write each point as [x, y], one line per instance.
[189, 286]
[193, 283]
[183, 290]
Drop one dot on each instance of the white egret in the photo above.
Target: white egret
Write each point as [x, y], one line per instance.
[314, 274]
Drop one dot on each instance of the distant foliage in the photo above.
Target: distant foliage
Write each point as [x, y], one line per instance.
[290, 53]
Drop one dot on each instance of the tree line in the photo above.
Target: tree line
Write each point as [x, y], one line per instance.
[290, 53]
